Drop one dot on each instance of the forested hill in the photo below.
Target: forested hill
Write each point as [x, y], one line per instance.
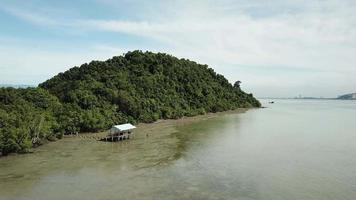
[136, 87]
[143, 87]
[351, 96]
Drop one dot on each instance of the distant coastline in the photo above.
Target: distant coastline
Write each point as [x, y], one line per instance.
[304, 98]
[351, 96]
[16, 85]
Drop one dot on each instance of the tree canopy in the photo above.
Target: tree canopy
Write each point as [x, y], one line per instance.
[136, 87]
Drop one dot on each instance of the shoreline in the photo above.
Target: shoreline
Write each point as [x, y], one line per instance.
[143, 130]
[161, 122]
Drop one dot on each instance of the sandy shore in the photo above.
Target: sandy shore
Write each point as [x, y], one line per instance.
[146, 129]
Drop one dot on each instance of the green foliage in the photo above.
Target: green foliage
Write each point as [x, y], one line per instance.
[26, 118]
[137, 87]
[143, 87]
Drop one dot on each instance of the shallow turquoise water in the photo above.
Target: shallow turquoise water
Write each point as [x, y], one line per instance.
[294, 149]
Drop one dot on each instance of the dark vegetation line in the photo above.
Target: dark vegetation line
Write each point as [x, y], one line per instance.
[136, 87]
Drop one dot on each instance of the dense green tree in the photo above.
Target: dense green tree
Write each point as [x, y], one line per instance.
[237, 85]
[136, 87]
[143, 87]
[26, 118]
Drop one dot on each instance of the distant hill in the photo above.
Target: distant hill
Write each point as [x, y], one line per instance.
[16, 85]
[351, 96]
[136, 87]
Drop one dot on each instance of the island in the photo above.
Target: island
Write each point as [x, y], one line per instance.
[135, 87]
[351, 96]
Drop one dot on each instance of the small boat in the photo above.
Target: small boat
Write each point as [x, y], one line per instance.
[271, 102]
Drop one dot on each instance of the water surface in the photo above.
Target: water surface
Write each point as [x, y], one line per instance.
[294, 149]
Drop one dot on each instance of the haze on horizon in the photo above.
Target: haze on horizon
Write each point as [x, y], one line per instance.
[279, 48]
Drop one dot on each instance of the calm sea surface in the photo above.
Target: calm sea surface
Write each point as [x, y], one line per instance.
[294, 149]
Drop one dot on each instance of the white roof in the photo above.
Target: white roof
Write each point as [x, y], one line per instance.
[124, 127]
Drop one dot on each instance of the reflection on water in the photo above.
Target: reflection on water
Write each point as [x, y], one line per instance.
[291, 150]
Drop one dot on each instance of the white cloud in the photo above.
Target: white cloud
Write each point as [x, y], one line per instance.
[302, 40]
[311, 42]
[24, 65]
[30, 16]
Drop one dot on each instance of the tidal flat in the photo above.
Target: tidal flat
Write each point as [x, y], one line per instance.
[293, 149]
[153, 147]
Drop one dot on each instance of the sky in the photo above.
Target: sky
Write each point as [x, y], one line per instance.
[277, 48]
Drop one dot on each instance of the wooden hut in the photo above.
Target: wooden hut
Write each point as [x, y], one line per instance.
[120, 132]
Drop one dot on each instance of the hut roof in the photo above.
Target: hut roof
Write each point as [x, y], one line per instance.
[124, 127]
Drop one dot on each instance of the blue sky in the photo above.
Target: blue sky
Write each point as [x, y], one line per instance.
[278, 48]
